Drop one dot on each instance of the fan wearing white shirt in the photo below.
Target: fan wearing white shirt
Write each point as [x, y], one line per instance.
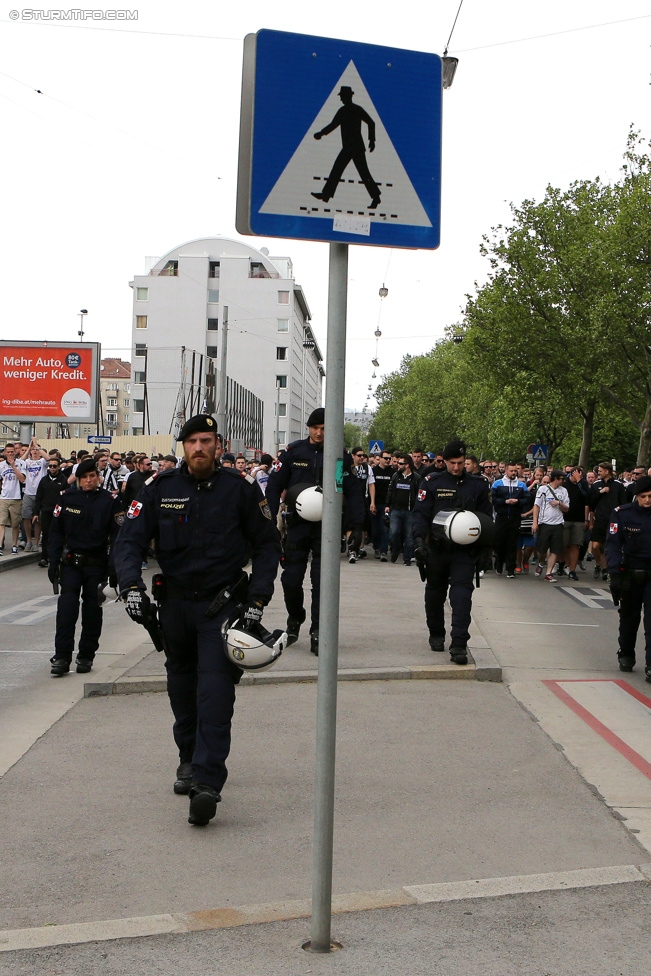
[551, 502]
[33, 464]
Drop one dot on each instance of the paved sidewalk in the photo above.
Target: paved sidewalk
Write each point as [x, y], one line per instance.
[437, 782]
[382, 635]
[601, 931]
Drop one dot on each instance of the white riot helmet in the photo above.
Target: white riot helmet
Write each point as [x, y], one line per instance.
[307, 501]
[460, 527]
[253, 648]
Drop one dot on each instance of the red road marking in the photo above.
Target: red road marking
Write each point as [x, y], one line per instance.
[593, 722]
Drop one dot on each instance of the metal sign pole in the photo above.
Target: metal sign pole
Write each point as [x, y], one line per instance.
[221, 416]
[326, 718]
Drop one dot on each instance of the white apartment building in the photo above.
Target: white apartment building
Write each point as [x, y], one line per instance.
[184, 299]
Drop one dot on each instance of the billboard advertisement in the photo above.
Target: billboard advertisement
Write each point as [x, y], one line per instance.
[56, 381]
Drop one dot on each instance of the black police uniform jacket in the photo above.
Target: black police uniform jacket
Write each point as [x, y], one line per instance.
[203, 532]
[628, 541]
[302, 463]
[442, 492]
[86, 523]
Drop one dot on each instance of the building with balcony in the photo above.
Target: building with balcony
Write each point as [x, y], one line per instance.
[206, 289]
[116, 405]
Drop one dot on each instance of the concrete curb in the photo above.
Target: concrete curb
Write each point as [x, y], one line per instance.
[15, 562]
[146, 684]
[104, 682]
[482, 666]
[14, 940]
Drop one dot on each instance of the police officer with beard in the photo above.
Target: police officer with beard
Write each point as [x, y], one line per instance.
[448, 564]
[205, 521]
[302, 464]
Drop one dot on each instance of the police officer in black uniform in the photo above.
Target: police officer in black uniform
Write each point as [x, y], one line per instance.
[628, 562]
[302, 463]
[449, 564]
[85, 522]
[205, 521]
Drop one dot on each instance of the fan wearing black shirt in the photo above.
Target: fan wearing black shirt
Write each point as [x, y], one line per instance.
[380, 530]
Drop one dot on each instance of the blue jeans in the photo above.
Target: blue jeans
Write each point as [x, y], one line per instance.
[380, 532]
[400, 528]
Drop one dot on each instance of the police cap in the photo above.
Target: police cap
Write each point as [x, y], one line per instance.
[201, 424]
[641, 485]
[454, 449]
[85, 466]
[316, 418]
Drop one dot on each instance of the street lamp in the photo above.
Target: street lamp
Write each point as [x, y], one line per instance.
[84, 311]
[384, 291]
[449, 70]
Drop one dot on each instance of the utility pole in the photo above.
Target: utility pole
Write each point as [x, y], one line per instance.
[221, 413]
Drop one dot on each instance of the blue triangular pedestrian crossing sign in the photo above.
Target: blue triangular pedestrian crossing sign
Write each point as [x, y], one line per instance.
[540, 453]
[375, 448]
[339, 141]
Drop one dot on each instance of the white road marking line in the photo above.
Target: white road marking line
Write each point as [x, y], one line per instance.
[588, 601]
[538, 623]
[28, 604]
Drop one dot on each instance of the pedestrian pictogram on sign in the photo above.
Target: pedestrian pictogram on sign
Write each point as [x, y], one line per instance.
[376, 447]
[341, 182]
[540, 452]
[339, 141]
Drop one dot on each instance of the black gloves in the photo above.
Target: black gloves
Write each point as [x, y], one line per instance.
[421, 551]
[53, 573]
[616, 588]
[252, 615]
[113, 580]
[138, 605]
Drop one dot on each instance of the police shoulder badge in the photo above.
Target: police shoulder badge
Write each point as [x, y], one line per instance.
[613, 528]
[57, 511]
[277, 466]
[134, 509]
[264, 508]
[422, 494]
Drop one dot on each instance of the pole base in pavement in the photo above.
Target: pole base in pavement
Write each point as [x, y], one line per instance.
[333, 947]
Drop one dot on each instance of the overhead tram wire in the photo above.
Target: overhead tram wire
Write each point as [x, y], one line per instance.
[81, 111]
[452, 31]
[568, 30]
[216, 37]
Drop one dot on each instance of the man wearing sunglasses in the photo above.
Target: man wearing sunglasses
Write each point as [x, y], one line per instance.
[48, 495]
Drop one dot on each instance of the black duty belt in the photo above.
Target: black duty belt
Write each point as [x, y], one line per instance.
[172, 590]
[84, 559]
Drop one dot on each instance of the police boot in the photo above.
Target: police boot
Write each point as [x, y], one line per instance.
[183, 780]
[203, 804]
[626, 662]
[292, 629]
[84, 665]
[437, 643]
[458, 654]
[314, 643]
[59, 666]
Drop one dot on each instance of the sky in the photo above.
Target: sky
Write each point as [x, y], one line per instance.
[130, 149]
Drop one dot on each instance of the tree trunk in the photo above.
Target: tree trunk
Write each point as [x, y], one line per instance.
[588, 434]
[644, 449]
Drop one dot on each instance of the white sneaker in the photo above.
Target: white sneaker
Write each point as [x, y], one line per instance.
[352, 558]
[29, 547]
